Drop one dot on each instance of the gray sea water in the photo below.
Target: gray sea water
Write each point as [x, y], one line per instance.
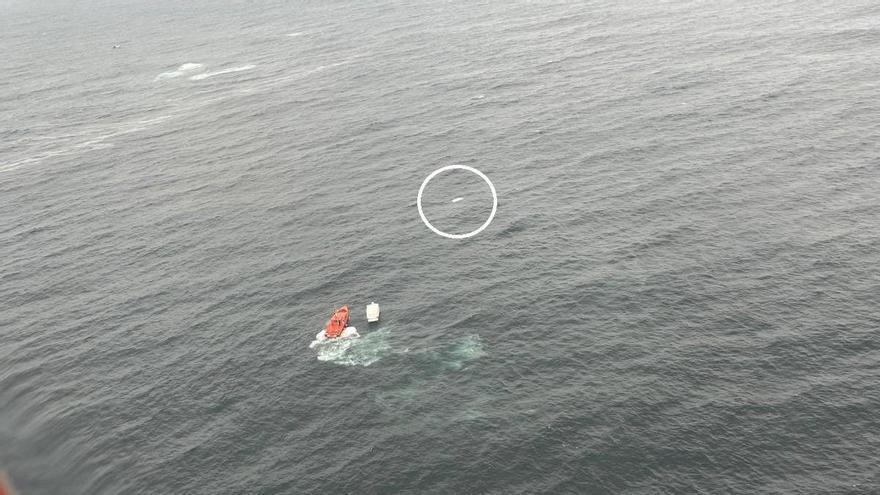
[679, 292]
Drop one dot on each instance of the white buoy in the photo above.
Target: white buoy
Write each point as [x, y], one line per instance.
[372, 312]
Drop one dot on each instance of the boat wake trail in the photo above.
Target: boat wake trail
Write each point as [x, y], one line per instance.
[370, 348]
[361, 351]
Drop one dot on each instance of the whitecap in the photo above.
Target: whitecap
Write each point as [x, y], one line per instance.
[205, 75]
[183, 69]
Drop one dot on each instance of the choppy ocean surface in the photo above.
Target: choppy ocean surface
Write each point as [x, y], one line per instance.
[680, 292]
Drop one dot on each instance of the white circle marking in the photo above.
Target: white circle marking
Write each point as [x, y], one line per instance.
[459, 167]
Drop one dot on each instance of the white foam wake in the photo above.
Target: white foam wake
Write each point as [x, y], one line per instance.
[183, 69]
[321, 337]
[205, 75]
[361, 351]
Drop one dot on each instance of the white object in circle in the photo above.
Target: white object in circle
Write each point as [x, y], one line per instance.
[457, 236]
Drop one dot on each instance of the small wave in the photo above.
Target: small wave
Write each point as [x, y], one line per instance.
[205, 75]
[362, 351]
[183, 69]
[294, 35]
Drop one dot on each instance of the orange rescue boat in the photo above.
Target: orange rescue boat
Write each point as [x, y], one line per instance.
[337, 323]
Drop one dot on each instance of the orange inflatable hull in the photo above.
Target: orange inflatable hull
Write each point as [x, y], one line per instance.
[337, 323]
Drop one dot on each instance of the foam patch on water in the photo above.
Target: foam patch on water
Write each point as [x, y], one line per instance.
[464, 350]
[182, 70]
[361, 351]
[39, 148]
[88, 140]
[190, 67]
[205, 75]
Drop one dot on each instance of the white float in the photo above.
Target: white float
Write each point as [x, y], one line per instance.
[372, 312]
